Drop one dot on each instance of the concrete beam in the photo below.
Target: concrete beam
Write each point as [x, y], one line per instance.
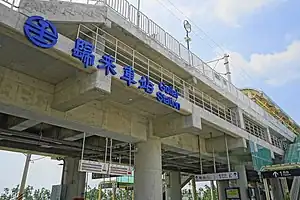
[187, 143]
[30, 98]
[78, 136]
[22, 124]
[15, 98]
[64, 11]
[169, 125]
[218, 144]
[78, 90]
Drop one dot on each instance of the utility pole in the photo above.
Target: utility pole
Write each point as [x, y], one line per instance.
[138, 13]
[194, 189]
[226, 63]
[188, 29]
[24, 177]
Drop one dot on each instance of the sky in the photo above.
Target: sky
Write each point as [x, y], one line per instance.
[262, 38]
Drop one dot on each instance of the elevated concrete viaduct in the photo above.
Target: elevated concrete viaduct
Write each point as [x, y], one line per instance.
[49, 101]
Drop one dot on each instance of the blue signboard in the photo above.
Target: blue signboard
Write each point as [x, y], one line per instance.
[40, 32]
[83, 51]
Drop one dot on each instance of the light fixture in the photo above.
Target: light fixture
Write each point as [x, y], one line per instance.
[187, 26]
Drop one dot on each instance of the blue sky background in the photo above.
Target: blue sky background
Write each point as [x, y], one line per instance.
[262, 38]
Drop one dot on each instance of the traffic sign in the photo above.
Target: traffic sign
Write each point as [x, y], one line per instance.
[217, 176]
[281, 173]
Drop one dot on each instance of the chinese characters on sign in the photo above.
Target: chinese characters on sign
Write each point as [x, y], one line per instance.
[146, 84]
[40, 32]
[84, 50]
[128, 75]
[217, 176]
[107, 64]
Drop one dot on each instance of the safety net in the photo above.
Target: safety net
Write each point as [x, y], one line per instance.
[261, 156]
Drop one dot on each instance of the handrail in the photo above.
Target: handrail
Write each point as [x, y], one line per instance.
[149, 27]
[10, 3]
[125, 55]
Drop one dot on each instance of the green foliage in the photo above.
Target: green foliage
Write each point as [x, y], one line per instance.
[44, 194]
[93, 194]
[29, 194]
[203, 193]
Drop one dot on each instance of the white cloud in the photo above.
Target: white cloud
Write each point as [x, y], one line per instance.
[226, 11]
[274, 69]
[230, 11]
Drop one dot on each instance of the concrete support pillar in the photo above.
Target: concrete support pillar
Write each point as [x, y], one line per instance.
[269, 140]
[222, 185]
[240, 117]
[276, 189]
[285, 188]
[73, 179]
[186, 91]
[148, 171]
[174, 189]
[194, 189]
[242, 181]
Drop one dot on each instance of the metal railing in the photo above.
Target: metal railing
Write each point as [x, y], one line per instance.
[153, 30]
[255, 129]
[276, 141]
[10, 3]
[125, 55]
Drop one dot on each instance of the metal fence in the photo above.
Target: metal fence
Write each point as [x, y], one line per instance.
[153, 30]
[10, 3]
[125, 55]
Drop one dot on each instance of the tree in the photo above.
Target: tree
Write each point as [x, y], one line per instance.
[41, 194]
[92, 193]
[205, 193]
[29, 194]
[44, 194]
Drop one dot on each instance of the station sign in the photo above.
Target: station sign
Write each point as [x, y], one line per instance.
[93, 166]
[281, 173]
[120, 170]
[217, 176]
[102, 169]
[40, 32]
[101, 176]
[167, 94]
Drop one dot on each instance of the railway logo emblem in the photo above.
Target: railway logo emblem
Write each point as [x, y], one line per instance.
[40, 32]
